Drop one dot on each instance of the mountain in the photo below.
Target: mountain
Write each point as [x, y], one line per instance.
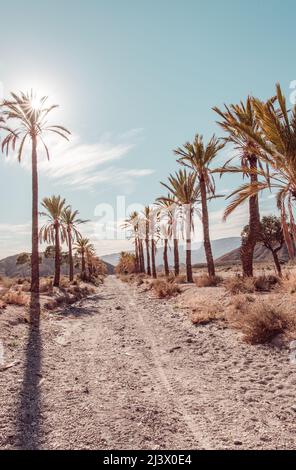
[220, 247]
[260, 254]
[9, 267]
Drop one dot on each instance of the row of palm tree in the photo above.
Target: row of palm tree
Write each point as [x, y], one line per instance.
[25, 122]
[62, 226]
[263, 137]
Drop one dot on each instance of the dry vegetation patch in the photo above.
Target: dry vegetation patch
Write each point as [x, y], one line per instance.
[260, 321]
[164, 288]
[208, 281]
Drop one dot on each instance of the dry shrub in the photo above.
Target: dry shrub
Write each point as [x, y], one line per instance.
[46, 285]
[180, 279]
[240, 285]
[206, 314]
[239, 301]
[208, 281]
[3, 305]
[13, 297]
[266, 283]
[260, 322]
[289, 283]
[164, 288]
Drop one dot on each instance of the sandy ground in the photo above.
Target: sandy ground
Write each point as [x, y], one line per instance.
[122, 370]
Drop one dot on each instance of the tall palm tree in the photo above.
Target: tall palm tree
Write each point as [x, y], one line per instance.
[70, 220]
[234, 119]
[169, 208]
[132, 223]
[154, 238]
[54, 231]
[198, 158]
[82, 247]
[275, 136]
[184, 189]
[146, 214]
[31, 126]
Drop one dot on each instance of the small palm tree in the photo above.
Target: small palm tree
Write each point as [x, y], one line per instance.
[83, 246]
[198, 158]
[133, 224]
[169, 209]
[32, 126]
[184, 189]
[70, 220]
[54, 231]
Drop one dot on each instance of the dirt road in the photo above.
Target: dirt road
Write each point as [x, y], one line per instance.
[122, 370]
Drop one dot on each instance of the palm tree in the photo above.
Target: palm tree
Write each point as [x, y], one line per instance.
[169, 208]
[198, 158]
[83, 246]
[275, 136]
[234, 119]
[54, 231]
[70, 220]
[146, 215]
[32, 126]
[132, 223]
[184, 189]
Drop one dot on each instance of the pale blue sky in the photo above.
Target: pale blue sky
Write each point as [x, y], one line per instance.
[134, 80]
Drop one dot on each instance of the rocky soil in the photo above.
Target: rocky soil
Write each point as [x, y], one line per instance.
[123, 370]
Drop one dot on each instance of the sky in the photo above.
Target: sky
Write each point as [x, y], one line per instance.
[134, 80]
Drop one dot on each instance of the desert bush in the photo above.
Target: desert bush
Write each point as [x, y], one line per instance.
[16, 297]
[127, 263]
[164, 288]
[46, 285]
[266, 283]
[240, 285]
[208, 281]
[206, 314]
[3, 305]
[289, 283]
[261, 322]
[180, 279]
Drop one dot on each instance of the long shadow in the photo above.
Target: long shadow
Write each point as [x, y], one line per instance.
[29, 409]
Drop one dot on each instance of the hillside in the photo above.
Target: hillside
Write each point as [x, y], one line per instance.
[260, 254]
[9, 268]
[220, 247]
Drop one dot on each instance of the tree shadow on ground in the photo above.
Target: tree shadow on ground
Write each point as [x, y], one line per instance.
[28, 424]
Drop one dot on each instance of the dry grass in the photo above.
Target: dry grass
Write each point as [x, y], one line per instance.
[206, 314]
[289, 283]
[164, 288]
[16, 297]
[260, 321]
[208, 281]
[244, 285]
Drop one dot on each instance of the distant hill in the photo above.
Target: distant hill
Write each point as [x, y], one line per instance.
[260, 254]
[220, 247]
[9, 268]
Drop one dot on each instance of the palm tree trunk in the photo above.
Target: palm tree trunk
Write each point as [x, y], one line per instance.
[248, 246]
[153, 258]
[137, 254]
[71, 264]
[147, 249]
[165, 258]
[142, 261]
[206, 229]
[188, 261]
[35, 230]
[83, 267]
[57, 273]
[277, 262]
[176, 257]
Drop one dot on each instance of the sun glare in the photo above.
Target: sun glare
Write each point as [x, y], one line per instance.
[35, 102]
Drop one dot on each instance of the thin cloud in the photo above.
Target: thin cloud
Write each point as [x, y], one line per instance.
[83, 165]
